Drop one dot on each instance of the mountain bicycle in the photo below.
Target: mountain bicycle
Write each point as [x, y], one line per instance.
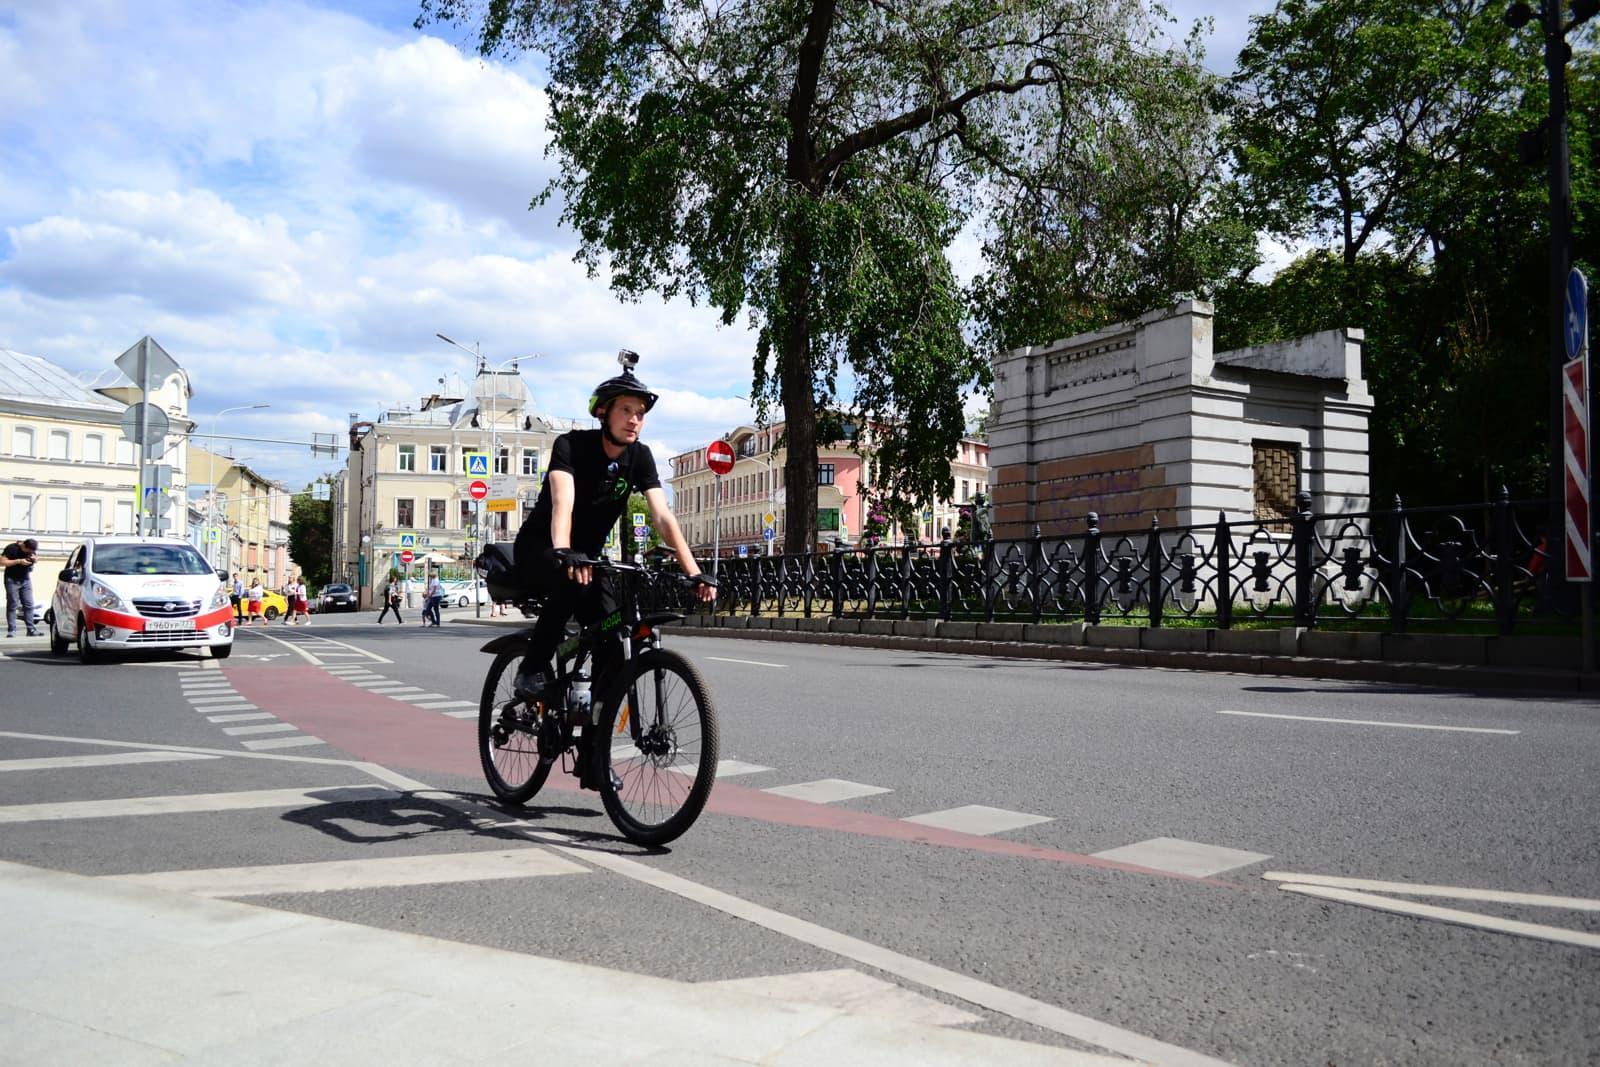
[643, 725]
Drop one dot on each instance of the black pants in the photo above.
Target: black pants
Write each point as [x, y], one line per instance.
[388, 606]
[565, 599]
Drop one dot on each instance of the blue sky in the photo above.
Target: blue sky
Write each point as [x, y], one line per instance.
[294, 197]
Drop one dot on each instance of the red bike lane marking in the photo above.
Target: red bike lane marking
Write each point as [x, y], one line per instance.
[396, 734]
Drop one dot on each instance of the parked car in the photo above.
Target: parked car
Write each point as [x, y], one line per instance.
[460, 593]
[336, 597]
[128, 593]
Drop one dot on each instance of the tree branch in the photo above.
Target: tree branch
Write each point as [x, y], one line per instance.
[804, 96]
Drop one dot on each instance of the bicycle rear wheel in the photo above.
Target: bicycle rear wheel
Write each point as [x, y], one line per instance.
[659, 730]
[508, 740]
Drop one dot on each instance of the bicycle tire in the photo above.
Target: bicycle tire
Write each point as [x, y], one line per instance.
[655, 788]
[512, 768]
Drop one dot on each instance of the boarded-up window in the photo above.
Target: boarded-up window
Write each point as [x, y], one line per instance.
[1277, 479]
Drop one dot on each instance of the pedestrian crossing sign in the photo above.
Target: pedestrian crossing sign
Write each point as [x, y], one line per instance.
[477, 464]
[408, 540]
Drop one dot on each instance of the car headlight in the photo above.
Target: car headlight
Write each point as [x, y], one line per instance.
[219, 599]
[101, 596]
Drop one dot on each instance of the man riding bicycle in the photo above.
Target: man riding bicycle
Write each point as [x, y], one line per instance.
[585, 491]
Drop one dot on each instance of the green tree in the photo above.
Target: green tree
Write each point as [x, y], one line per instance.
[311, 536]
[808, 163]
[631, 544]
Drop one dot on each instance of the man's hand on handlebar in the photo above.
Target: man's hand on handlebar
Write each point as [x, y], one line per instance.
[575, 565]
[704, 588]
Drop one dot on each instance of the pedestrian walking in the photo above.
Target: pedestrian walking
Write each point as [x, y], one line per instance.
[19, 558]
[432, 599]
[391, 602]
[298, 608]
[253, 602]
[236, 598]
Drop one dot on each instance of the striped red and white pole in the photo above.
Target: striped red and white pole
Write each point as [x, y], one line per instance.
[1575, 417]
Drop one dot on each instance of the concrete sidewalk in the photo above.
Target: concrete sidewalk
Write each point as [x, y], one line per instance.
[101, 971]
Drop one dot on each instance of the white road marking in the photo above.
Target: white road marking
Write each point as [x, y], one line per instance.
[1447, 915]
[249, 716]
[194, 684]
[978, 819]
[218, 699]
[240, 705]
[393, 689]
[827, 790]
[951, 983]
[1453, 892]
[849, 990]
[440, 869]
[194, 802]
[437, 705]
[746, 662]
[283, 742]
[1373, 722]
[1193, 858]
[365, 683]
[110, 759]
[271, 728]
[309, 656]
[413, 697]
[462, 714]
[732, 768]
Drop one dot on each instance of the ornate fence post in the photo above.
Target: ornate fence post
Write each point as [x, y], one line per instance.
[1223, 544]
[755, 587]
[1155, 563]
[1505, 571]
[989, 589]
[838, 584]
[782, 566]
[1036, 571]
[808, 575]
[947, 559]
[905, 579]
[872, 581]
[1399, 593]
[1091, 571]
[1305, 532]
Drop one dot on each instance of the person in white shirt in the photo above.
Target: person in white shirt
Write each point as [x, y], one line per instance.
[433, 597]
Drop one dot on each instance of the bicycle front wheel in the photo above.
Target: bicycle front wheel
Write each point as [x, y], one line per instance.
[508, 735]
[659, 732]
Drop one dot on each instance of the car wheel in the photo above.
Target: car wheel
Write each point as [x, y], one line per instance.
[461, 603]
[87, 653]
[222, 651]
[272, 614]
[58, 644]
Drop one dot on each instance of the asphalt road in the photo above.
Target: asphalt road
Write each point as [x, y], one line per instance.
[1063, 853]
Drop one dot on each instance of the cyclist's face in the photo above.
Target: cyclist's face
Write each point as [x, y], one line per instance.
[626, 418]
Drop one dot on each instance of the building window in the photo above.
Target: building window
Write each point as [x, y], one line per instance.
[438, 457]
[824, 473]
[94, 448]
[125, 451]
[408, 458]
[828, 519]
[1276, 468]
[405, 513]
[60, 446]
[502, 463]
[55, 514]
[502, 522]
[530, 462]
[91, 519]
[21, 511]
[22, 443]
[124, 524]
[436, 514]
[466, 514]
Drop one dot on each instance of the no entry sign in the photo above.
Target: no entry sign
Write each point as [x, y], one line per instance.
[719, 457]
[407, 556]
[478, 489]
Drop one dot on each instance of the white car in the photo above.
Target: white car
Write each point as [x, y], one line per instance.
[461, 593]
[131, 593]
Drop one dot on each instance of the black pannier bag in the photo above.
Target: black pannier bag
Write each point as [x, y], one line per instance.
[497, 564]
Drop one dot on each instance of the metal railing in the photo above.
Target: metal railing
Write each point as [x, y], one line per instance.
[1481, 566]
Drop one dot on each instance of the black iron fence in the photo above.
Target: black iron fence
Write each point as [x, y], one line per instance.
[1482, 565]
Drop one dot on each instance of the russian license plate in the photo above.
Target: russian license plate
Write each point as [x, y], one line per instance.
[168, 625]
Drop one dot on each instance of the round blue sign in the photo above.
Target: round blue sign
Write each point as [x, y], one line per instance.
[1577, 318]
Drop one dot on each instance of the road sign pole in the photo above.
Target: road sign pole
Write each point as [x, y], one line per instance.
[716, 526]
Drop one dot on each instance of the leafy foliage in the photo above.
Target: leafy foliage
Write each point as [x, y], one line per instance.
[311, 537]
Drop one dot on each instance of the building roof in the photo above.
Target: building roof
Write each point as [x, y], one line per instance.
[38, 381]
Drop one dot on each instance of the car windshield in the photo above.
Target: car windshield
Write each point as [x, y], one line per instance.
[149, 559]
[337, 589]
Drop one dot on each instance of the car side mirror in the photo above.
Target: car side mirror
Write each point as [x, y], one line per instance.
[68, 575]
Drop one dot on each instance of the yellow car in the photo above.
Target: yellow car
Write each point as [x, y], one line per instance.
[273, 605]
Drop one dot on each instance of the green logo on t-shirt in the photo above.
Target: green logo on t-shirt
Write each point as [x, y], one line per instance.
[619, 489]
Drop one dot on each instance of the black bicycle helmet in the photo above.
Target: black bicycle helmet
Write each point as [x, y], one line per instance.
[624, 384]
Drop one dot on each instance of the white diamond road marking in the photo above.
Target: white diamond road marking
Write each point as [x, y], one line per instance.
[249, 716]
[852, 992]
[282, 742]
[732, 768]
[113, 759]
[360, 874]
[195, 802]
[274, 728]
[827, 790]
[1193, 858]
[978, 819]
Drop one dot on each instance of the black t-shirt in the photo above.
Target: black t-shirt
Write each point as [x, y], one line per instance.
[22, 570]
[601, 487]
